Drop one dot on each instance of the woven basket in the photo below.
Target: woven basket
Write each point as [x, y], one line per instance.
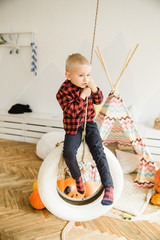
[157, 123]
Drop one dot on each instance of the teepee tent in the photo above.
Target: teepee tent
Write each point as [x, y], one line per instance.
[116, 125]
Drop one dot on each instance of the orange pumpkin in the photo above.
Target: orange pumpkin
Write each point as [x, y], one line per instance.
[91, 187]
[157, 181]
[35, 200]
[155, 199]
[68, 187]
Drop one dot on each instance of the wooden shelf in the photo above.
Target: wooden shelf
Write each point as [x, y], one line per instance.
[16, 39]
[5, 33]
[11, 46]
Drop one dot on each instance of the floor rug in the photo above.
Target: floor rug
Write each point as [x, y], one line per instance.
[133, 200]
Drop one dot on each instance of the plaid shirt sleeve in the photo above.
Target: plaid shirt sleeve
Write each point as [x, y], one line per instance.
[71, 105]
[97, 97]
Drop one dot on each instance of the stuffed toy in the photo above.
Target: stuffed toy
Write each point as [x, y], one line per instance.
[156, 198]
[157, 180]
[68, 187]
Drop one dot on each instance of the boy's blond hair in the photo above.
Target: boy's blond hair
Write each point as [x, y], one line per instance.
[74, 60]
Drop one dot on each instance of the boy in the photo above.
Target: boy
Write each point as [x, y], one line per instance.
[72, 99]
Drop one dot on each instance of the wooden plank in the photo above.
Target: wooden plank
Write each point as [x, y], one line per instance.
[45, 119]
[152, 133]
[31, 140]
[44, 122]
[12, 125]
[19, 132]
[37, 128]
[152, 142]
[154, 150]
[12, 137]
[33, 134]
[156, 157]
[11, 118]
[39, 121]
[148, 131]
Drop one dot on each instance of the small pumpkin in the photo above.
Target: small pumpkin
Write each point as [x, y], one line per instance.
[91, 187]
[157, 181]
[35, 187]
[155, 199]
[35, 200]
[68, 187]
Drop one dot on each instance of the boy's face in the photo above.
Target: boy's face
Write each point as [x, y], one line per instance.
[79, 75]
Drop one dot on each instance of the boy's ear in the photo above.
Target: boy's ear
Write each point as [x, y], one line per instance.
[68, 75]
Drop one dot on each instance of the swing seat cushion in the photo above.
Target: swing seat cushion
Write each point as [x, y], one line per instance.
[48, 142]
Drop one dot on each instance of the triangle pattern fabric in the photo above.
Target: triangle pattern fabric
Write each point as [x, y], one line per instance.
[116, 125]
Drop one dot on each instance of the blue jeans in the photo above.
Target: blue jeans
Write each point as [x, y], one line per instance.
[94, 142]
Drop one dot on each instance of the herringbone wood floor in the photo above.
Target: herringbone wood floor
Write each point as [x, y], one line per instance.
[19, 168]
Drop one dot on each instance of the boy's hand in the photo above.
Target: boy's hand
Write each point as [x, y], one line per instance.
[91, 84]
[86, 92]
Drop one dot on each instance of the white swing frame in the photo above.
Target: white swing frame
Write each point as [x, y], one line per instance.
[47, 188]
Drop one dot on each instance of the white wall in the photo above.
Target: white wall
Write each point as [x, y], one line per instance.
[66, 26]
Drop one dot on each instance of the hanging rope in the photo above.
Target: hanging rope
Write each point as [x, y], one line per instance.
[94, 32]
[92, 50]
[62, 168]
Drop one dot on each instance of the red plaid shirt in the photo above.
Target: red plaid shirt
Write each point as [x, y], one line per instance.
[74, 107]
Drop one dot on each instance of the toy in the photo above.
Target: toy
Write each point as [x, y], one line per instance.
[35, 200]
[90, 188]
[127, 217]
[35, 186]
[68, 187]
[157, 181]
[155, 199]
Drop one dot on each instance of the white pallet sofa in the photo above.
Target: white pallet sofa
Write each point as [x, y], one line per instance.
[151, 138]
[27, 127]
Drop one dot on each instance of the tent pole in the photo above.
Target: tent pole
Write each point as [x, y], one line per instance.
[98, 52]
[120, 76]
[124, 68]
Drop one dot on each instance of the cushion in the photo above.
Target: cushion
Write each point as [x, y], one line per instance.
[129, 161]
[48, 142]
[97, 109]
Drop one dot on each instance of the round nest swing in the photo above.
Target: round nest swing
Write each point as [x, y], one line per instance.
[74, 209]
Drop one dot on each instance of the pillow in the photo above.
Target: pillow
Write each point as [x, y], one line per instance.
[129, 161]
[48, 142]
[97, 109]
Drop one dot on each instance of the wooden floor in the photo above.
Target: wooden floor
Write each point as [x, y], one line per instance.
[19, 168]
